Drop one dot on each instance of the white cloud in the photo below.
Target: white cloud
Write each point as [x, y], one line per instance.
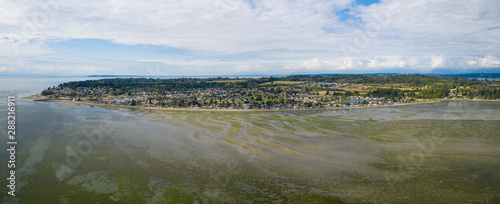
[313, 64]
[387, 63]
[437, 61]
[371, 64]
[281, 35]
[490, 61]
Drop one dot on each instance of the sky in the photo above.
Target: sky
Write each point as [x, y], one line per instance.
[247, 37]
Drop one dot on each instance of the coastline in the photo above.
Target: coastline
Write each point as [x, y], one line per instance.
[40, 98]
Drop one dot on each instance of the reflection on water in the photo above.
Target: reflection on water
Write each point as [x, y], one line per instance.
[441, 152]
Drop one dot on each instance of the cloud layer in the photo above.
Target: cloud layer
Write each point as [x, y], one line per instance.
[252, 36]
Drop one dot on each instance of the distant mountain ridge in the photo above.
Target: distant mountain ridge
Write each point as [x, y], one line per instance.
[446, 74]
[464, 71]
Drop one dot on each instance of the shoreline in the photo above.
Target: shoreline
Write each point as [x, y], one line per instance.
[40, 98]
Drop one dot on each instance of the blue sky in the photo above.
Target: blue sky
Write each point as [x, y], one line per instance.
[345, 14]
[366, 2]
[106, 50]
[243, 37]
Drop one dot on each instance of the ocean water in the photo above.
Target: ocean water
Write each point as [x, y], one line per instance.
[444, 152]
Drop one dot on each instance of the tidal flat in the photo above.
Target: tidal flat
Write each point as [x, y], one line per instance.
[445, 152]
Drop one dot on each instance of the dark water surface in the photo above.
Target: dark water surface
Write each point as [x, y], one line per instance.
[444, 152]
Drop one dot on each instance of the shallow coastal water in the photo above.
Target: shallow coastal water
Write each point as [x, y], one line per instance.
[441, 152]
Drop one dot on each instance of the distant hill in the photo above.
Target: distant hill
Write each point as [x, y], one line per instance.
[464, 71]
[472, 75]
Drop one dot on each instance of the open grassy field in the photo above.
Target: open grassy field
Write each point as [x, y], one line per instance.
[366, 87]
[283, 83]
[229, 81]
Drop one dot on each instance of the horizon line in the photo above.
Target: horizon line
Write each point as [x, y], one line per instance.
[252, 75]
